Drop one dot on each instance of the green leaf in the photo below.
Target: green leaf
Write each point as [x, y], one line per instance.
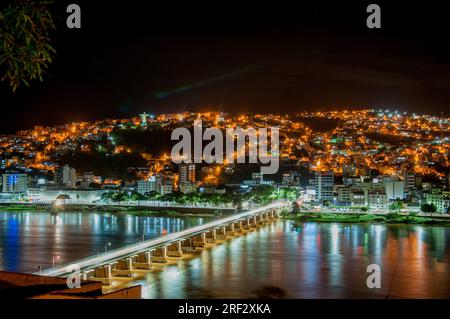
[25, 50]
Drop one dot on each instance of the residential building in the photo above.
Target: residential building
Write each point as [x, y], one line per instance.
[287, 179]
[323, 183]
[377, 199]
[167, 184]
[408, 180]
[359, 198]
[348, 170]
[66, 176]
[344, 195]
[187, 172]
[187, 187]
[14, 183]
[148, 186]
[257, 176]
[395, 190]
[440, 199]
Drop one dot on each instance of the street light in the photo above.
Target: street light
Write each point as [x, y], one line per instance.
[106, 246]
[53, 260]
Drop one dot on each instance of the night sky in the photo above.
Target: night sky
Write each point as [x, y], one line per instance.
[130, 58]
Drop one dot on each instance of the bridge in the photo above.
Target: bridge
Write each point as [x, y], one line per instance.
[123, 261]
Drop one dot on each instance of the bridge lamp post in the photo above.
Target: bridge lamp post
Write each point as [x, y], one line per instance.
[53, 260]
[106, 246]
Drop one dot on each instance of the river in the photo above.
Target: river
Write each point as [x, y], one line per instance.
[312, 260]
[29, 239]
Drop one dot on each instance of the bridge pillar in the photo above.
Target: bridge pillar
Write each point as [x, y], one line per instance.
[143, 261]
[238, 226]
[211, 236]
[229, 229]
[108, 271]
[200, 240]
[246, 224]
[221, 233]
[103, 274]
[253, 221]
[100, 272]
[123, 268]
[187, 245]
[159, 255]
[259, 219]
[174, 249]
[88, 274]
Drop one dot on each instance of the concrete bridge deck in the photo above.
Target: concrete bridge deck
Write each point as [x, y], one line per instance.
[198, 236]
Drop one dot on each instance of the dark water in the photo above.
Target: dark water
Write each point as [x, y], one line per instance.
[29, 239]
[315, 260]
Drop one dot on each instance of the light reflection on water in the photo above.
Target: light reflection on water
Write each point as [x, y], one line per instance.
[313, 261]
[29, 239]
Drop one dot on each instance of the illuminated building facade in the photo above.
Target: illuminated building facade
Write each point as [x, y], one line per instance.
[14, 183]
[147, 186]
[323, 183]
[187, 173]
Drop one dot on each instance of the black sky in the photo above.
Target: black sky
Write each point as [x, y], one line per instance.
[129, 58]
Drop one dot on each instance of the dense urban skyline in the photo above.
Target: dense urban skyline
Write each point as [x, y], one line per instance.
[236, 151]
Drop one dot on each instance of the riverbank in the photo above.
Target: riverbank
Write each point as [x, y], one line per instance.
[138, 210]
[22, 207]
[391, 218]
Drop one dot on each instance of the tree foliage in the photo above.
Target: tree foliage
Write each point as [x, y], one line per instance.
[25, 50]
[428, 208]
[396, 206]
[261, 194]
